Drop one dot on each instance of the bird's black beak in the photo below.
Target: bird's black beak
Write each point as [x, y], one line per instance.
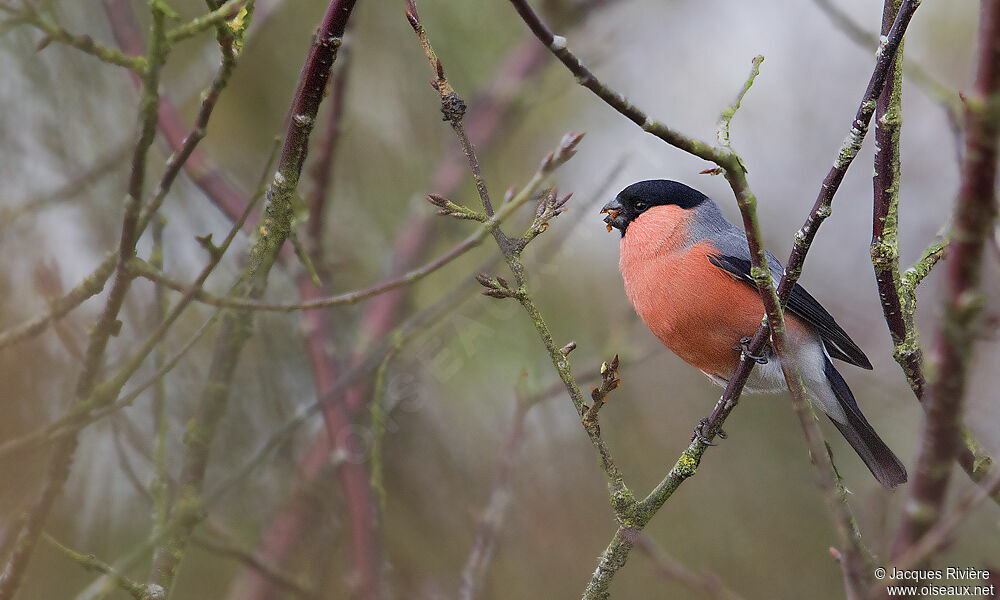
[613, 216]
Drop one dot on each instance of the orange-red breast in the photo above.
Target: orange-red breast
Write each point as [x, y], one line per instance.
[687, 272]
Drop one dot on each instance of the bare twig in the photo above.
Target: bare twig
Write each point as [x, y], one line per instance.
[493, 515]
[938, 536]
[55, 33]
[108, 324]
[274, 230]
[92, 563]
[60, 307]
[218, 16]
[221, 543]
[324, 164]
[668, 567]
[940, 93]
[621, 545]
[954, 337]
[72, 188]
[141, 269]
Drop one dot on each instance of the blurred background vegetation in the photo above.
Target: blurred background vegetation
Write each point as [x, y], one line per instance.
[752, 515]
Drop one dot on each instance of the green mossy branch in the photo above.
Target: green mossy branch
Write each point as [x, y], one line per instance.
[92, 563]
[215, 18]
[56, 33]
[107, 324]
[733, 168]
[957, 329]
[273, 231]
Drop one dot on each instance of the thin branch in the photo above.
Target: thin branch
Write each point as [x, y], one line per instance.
[221, 543]
[621, 545]
[668, 567]
[202, 172]
[92, 563]
[274, 230]
[493, 515]
[217, 17]
[76, 183]
[938, 536]
[90, 286]
[101, 397]
[141, 269]
[55, 33]
[975, 213]
[108, 323]
[324, 164]
[940, 93]
[390, 344]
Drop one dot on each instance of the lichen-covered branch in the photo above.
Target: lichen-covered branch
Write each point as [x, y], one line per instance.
[108, 324]
[92, 563]
[621, 545]
[945, 96]
[489, 226]
[55, 33]
[60, 307]
[955, 334]
[235, 330]
[216, 17]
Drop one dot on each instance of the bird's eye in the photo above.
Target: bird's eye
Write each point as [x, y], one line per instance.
[641, 206]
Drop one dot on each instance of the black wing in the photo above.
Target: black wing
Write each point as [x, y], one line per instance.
[803, 305]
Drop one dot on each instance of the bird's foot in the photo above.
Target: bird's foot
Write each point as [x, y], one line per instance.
[699, 433]
[744, 348]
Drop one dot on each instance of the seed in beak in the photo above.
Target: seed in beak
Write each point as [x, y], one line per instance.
[612, 215]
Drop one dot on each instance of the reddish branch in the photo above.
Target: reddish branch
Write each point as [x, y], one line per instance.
[954, 337]
[274, 230]
[484, 122]
[886, 194]
[107, 324]
[621, 545]
[198, 167]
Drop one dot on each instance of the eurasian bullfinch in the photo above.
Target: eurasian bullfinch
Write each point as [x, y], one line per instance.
[687, 272]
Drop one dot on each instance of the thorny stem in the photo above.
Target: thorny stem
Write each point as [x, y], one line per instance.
[974, 215]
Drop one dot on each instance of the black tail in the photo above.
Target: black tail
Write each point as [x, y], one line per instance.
[883, 464]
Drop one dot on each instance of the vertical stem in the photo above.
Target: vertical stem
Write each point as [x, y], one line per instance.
[274, 229]
[159, 491]
[108, 324]
[885, 219]
[954, 336]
